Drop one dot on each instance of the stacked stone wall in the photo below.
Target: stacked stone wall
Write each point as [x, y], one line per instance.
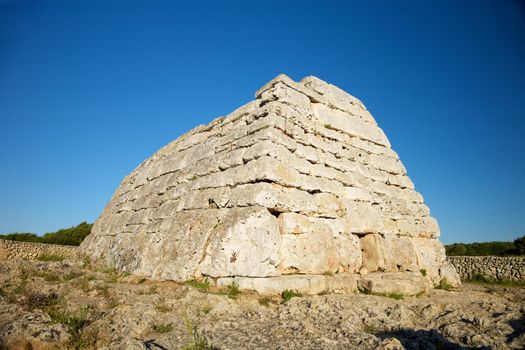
[29, 250]
[493, 267]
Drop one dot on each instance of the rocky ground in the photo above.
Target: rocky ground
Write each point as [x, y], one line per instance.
[69, 304]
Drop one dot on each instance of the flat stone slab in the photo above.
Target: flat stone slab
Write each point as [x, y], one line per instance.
[407, 283]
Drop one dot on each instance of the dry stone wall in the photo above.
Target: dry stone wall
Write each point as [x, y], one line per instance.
[300, 181]
[28, 250]
[493, 267]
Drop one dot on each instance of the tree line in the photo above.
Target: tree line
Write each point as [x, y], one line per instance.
[67, 236]
[488, 248]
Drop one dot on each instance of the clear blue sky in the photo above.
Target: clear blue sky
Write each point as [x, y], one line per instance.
[89, 89]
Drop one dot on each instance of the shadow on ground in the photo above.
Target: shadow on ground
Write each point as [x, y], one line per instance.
[518, 327]
[425, 339]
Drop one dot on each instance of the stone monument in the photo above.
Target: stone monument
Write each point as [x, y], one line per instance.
[298, 189]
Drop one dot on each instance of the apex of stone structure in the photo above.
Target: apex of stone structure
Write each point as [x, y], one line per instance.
[298, 189]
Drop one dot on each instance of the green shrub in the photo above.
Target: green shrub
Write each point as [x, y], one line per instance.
[444, 285]
[519, 243]
[423, 272]
[233, 290]
[487, 248]
[289, 294]
[68, 236]
[265, 301]
[480, 278]
[75, 322]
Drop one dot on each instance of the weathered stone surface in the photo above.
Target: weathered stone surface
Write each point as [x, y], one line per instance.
[406, 283]
[341, 283]
[295, 186]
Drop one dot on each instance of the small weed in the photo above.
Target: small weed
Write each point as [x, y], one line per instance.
[71, 275]
[112, 273]
[163, 307]
[47, 276]
[104, 291]
[395, 295]
[233, 290]
[482, 279]
[20, 288]
[329, 126]
[207, 308]
[423, 272]
[86, 262]
[152, 290]
[111, 270]
[420, 294]
[162, 327]
[328, 273]
[369, 329]
[40, 301]
[265, 302]
[51, 257]
[289, 294]
[203, 285]
[83, 284]
[197, 341]
[193, 178]
[444, 285]
[113, 303]
[217, 224]
[88, 339]
[75, 322]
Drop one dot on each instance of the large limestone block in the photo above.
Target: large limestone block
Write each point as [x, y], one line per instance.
[339, 120]
[246, 242]
[431, 256]
[448, 274]
[399, 253]
[326, 248]
[306, 284]
[406, 283]
[342, 283]
[372, 254]
[362, 217]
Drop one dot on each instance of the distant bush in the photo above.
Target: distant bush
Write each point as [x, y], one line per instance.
[68, 236]
[487, 248]
[519, 243]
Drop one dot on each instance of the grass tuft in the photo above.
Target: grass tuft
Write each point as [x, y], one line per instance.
[444, 285]
[163, 307]
[162, 327]
[51, 257]
[203, 285]
[289, 294]
[395, 295]
[233, 290]
[482, 279]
